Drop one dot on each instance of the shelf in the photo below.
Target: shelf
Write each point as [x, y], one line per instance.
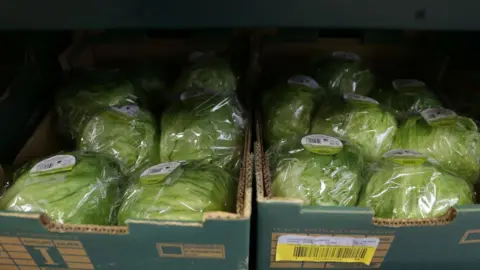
[381, 14]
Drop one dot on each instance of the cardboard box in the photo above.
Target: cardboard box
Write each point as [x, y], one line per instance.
[447, 242]
[30, 241]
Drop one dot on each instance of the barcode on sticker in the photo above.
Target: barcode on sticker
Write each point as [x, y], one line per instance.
[346, 55]
[330, 253]
[304, 80]
[326, 249]
[161, 169]
[319, 139]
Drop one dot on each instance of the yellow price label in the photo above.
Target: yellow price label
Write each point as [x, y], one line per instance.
[314, 253]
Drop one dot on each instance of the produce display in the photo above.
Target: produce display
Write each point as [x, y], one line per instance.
[344, 72]
[288, 108]
[406, 97]
[76, 188]
[203, 126]
[178, 191]
[365, 125]
[402, 191]
[452, 146]
[317, 179]
[126, 133]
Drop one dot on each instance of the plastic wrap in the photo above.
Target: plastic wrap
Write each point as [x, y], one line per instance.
[317, 179]
[90, 93]
[71, 188]
[452, 146]
[366, 126]
[207, 72]
[126, 133]
[203, 126]
[413, 191]
[344, 72]
[178, 191]
[406, 97]
[288, 108]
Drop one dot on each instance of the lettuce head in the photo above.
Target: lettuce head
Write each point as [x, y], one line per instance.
[126, 133]
[453, 147]
[90, 93]
[406, 100]
[288, 109]
[413, 191]
[185, 193]
[325, 180]
[83, 194]
[207, 72]
[343, 73]
[203, 126]
[370, 128]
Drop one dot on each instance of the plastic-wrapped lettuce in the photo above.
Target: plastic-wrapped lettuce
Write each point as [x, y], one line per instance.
[126, 133]
[358, 120]
[207, 72]
[203, 126]
[413, 190]
[407, 97]
[75, 188]
[453, 145]
[178, 191]
[344, 72]
[90, 93]
[329, 177]
[288, 108]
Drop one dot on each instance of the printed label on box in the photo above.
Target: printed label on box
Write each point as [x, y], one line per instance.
[326, 249]
[173, 250]
[38, 253]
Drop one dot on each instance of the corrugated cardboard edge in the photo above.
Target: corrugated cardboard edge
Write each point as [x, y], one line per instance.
[264, 192]
[37, 145]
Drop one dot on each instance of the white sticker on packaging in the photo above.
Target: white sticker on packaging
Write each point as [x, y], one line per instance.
[54, 164]
[407, 83]
[439, 116]
[346, 55]
[328, 241]
[360, 99]
[322, 144]
[304, 80]
[129, 110]
[403, 153]
[161, 169]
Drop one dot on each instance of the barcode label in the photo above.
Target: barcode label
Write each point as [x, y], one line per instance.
[58, 163]
[439, 116]
[163, 168]
[400, 84]
[304, 80]
[359, 99]
[322, 144]
[326, 249]
[128, 110]
[346, 55]
[158, 173]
